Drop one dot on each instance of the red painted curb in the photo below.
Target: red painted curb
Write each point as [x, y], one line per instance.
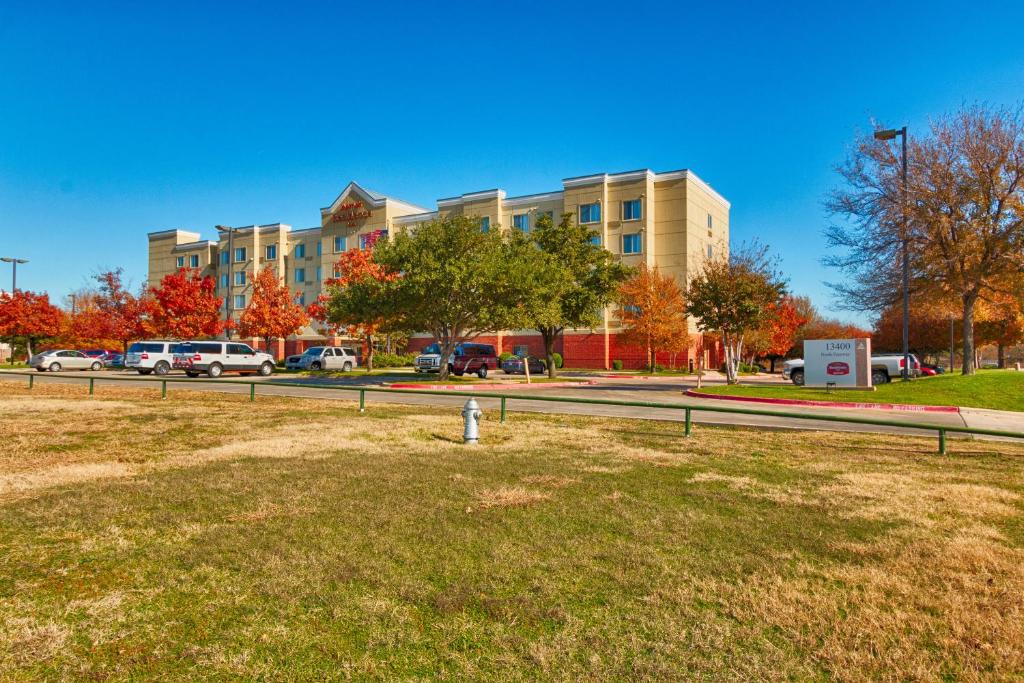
[826, 404]
[489, 387]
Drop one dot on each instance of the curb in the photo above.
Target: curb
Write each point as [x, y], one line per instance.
[489, 387]
[826, 404]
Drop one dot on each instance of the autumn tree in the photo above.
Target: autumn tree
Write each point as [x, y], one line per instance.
[27, 319]
[733, 296]
[652, 313]
[272, 312]
[929, 328]
[186, 307]
[962, 215]
[128, 317]
[776, 335]
[350, 300]
[586, 281]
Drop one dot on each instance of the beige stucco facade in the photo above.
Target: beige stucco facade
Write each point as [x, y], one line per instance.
[671, 220]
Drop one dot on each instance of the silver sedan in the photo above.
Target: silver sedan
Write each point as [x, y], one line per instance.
[55, 361]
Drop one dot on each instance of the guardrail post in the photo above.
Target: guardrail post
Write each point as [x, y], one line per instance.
[163, 389]
[502, 410]
[942, 442]
[31, 381]
[92, 385]
[252, 391]
[362, 400]
[688, 422]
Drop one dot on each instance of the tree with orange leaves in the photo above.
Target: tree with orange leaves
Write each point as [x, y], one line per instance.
[272, 312]
[652, 313]
[185, 306]
[348, 303]
[777, 334]
[27, 318]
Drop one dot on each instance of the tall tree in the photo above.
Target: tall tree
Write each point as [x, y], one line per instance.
[455, 281]
[588, 280]
[350, 300]
[652, 313]
[733, 296]
[777, 334]
[28, 318]
[127, 317]
[185, 306]
[963, 214]
[272, 312]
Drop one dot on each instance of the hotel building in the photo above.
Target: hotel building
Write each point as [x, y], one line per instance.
[672, 220]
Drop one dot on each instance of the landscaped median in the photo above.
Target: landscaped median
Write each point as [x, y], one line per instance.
[193, 538]
[990, 389]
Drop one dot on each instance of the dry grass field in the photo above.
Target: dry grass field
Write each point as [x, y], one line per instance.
[204, 537]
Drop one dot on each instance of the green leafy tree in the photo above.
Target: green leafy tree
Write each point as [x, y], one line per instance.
[455, 281]
[588, 280]
[735, 296]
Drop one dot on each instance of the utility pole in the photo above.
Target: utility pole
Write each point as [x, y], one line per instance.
[14, 270]
[890, 134]
[228, 303]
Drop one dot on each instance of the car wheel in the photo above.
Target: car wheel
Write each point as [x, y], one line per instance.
[191, 374]
[40, 369]
[347, 367]
[266, 369]
[315, 365]
[96, 366]
[144, 372]
[482, 372]
[457, 373]
[797, 376]
[54, 367]
[161, 368]
[215, 370]
[879, 377]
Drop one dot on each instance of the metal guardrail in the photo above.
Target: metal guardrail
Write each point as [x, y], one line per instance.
[687, 410]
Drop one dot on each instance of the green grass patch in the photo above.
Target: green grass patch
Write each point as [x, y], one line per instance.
[993, 389]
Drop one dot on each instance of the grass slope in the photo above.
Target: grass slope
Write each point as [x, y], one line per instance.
[994, 389]
[200, 538]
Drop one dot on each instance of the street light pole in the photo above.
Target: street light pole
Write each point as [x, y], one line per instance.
[904, 247]
[951, 346]
[14, 270]
[228, 304]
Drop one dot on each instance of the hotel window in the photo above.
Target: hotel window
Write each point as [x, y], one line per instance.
[485, 224]
[709, 251]
[521, 222]
[240, 278]
[319, 273]
[710, 222]
[300, 250]
[181, 261]
[337, 273]
[300, 274]
[631, 243]
[319, 248]
[339, 244]
[271, 252]
[239, 254]
[302, 299]
[239, 300]
[224, 281]
[595, 239]
[590, 213]
[224, 258]
[631, 210]
[193, 261]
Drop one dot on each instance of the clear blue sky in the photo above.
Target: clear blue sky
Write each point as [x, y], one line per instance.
[116, 120]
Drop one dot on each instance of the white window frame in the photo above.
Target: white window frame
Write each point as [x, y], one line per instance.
[239, 278]
[639, 208]
[240, 250]
[300, 250]
[180, 261]
[298, 272]
[271, 252]
[525, 217]
[193, 261]
[485, 224]
[236, 299]
[640, 239]
[340, 239]
[591, 220]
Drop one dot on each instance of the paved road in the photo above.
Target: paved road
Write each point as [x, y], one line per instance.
[657, 391]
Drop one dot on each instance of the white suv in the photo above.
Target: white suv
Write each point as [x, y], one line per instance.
[147, 357]
[217, 357]
[324, 358]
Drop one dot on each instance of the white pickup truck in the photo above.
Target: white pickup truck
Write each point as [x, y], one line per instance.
[324, 358]
[884, 367]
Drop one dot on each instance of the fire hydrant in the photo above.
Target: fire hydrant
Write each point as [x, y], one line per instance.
[471, 413]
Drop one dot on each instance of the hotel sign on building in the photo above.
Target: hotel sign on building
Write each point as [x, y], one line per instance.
[672, 220]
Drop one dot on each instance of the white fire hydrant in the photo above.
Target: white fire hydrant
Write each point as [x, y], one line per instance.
[471, 413]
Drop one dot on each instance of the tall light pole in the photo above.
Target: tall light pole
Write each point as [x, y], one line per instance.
[14, 270]
[890, 134]
[228, 304]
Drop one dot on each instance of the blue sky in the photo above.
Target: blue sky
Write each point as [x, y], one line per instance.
[120, 119]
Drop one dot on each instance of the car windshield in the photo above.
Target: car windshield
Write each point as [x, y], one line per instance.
[433, 348]
[314, 351]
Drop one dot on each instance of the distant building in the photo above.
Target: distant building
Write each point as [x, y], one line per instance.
[673, 220]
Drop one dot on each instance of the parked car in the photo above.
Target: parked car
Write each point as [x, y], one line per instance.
[113, 360]
[429, 359]
[932, 369]
[96, 353]
[884, 367]
[515, 366]
[64, 359]
[217, 357]
[475, 359]
[151, 356]
[324, 358]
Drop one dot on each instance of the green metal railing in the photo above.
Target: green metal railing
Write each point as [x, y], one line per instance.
[686, 409]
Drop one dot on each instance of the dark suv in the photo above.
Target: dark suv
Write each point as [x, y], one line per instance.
[475, 358]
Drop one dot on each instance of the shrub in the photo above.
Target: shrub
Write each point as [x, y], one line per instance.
[557, 357]
[382, 359]
[504, 356]
[616, 365]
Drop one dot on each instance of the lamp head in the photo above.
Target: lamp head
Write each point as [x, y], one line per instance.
[888, 134]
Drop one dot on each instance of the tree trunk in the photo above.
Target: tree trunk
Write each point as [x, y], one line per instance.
[1001, 351]
[369, 353]
[447, 347]
[549, 335]
[969, 364]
